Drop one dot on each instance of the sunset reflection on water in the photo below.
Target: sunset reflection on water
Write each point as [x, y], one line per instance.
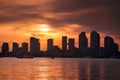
[59, 69]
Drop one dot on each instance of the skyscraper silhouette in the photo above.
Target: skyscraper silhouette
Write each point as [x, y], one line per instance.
[109, 45]
[34, 46]
[15, 48]
[116, 47]
[5, 49]
[109, 42]
[94, 43]
[25, 48]
[49, 44]
[64, 43]
[95, 39]
[83, 41]
[116, 50]
[71, 44]
[83, 44]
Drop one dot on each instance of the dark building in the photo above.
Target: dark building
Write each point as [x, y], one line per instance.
[109, 42]
[71, 43]
[95, 39]
[109, 45]
[94, 43]
[83, 45]
[102, 53]
[83, 41]
[116, 50]
[5, 49]
[15, 48]
[49, 44]
[71, 51]
[25, 48]
[34, 46]
[55, 51]
[116, 47]
[64, 43]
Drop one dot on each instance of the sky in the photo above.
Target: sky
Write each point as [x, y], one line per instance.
[43, 19]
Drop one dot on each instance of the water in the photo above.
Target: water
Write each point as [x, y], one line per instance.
[59, 69]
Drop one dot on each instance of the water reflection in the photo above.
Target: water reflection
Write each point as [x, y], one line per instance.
[59, 69]
[90, 70]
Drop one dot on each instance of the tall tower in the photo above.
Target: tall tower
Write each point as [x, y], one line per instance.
[95, 44]
[15, 48]
[5, 49]
[83, 41]
[49, 44]
[109, 45]
[108, 42]
[95, 39]
[64, 43]
[25, 48]
[71, 43]
[116, 48]
[34, 46]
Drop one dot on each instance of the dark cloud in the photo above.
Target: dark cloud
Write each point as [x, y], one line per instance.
[73, 5]
[13, 13]
[100, 15]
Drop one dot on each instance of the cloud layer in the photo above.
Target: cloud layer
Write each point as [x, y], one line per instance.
[97, 14]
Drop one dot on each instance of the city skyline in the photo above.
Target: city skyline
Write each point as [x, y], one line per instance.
[22, 19]
[110, 49]
[65, 42]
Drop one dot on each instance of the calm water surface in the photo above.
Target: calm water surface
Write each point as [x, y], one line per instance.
[59, 69]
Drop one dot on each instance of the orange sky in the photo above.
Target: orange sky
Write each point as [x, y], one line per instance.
[21, 19]
[44, 32]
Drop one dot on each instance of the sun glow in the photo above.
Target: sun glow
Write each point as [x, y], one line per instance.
[44, 28]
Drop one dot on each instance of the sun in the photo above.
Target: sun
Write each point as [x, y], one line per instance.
[44, 28]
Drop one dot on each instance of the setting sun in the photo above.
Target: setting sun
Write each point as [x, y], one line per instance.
[44, 27]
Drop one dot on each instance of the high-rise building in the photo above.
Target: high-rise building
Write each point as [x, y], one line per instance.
[71, 43]
[34, 46]
[94, 44]
[49, 44]
[83, 41]
[5, 49]
[25, 48]
[108, 42]
[15, 48]
[83, 44]
[116, 48]
[95, 40]
[109, 45]
[64, 43]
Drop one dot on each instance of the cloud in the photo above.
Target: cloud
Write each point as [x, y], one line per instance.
[20, 11]
[97, 15]
[100, 15]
